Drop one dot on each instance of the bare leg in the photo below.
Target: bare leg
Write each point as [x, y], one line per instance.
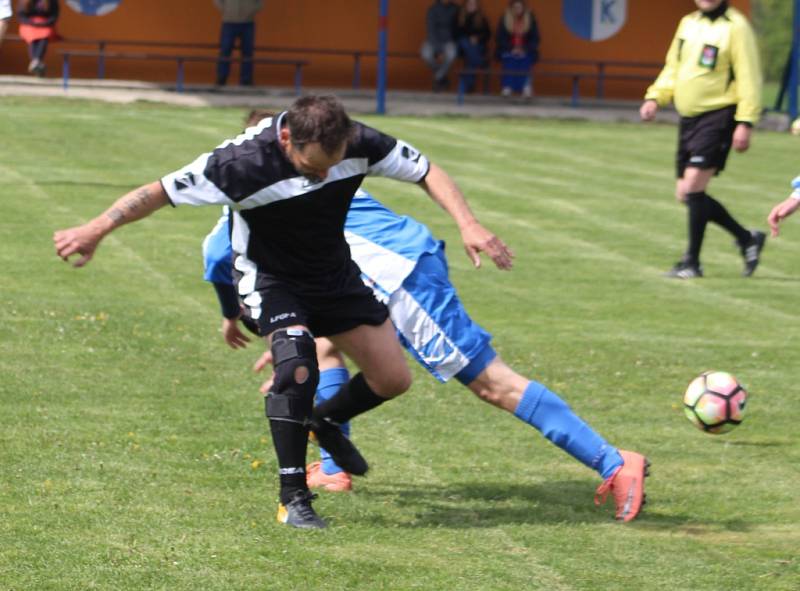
[377, 352]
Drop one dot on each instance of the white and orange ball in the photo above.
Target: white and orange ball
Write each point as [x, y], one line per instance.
[714, 402]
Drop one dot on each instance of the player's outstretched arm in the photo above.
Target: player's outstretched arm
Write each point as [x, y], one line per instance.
[784, 209]
[133, 206]
[476, 238]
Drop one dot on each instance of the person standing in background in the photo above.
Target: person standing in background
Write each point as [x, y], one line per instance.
[238, 22]
[5, 16]
[713, 75]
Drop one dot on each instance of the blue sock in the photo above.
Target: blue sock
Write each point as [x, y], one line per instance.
[544, 410]
[330, 380]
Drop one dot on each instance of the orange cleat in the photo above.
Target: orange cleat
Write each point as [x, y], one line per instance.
[316, 478]
[627, 484]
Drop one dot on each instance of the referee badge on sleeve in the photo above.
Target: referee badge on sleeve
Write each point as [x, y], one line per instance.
[708, 57]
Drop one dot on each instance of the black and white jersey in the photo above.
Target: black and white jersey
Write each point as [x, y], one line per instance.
[285, 225]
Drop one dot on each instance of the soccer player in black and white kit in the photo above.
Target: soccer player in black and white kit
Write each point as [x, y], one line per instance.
[289, 182]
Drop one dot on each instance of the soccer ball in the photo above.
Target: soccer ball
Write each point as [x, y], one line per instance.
[714, 402]
[794, 128]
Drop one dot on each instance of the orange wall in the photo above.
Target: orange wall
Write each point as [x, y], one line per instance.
[349, 24]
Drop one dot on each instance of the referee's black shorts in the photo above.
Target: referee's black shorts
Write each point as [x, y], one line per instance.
[341, 306]
[705, 141]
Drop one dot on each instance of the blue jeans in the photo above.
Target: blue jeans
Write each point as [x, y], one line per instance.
[474, 58]
[246, 33]
[37, 49]
[519, 66]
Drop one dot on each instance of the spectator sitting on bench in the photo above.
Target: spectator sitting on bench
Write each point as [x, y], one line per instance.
[37, 27]
[517, 48]
[473, 40]
[440, 41]
[237, 23]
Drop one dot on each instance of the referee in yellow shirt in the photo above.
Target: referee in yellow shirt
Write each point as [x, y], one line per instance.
[713, 76]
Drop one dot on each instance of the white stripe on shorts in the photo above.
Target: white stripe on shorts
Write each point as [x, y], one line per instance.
[442, 356]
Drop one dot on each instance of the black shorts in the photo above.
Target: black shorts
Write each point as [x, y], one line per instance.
[343, 305]
[705, 141]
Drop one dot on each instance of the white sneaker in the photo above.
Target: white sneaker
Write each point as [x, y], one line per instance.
[506, 91]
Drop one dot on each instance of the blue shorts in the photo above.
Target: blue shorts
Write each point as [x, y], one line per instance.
[433, 325]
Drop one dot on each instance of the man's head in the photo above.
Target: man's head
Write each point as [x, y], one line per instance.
[316, 134]
[708, 5]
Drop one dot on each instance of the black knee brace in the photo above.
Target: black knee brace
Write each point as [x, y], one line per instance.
[291, 400]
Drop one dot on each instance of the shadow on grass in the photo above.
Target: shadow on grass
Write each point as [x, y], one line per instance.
[766, 278]
[467, 505]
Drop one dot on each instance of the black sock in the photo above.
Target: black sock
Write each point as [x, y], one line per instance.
[354, 398]
[719, 215]
[290, 441]
[698, 219]
[290, 438]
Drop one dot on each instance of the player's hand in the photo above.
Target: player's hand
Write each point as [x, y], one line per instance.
[235, 338]
[82, 240]
[264, 361]
[478, 239]
[648, 110]
[780, 211]
[741, 137]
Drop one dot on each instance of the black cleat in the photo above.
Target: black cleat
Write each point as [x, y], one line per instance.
[330, 437]
[685, 270]
[299, 513]
[751, 253]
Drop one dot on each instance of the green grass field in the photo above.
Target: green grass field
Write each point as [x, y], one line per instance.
[134, 453]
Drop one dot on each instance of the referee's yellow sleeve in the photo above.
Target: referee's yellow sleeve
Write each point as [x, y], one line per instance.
[663, 88]
[747, 69]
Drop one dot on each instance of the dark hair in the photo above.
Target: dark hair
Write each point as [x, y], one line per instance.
[29, 5]
[255, 116]
[322, 119]
[463, 14]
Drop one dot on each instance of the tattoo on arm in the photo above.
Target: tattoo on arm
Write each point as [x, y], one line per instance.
[116, 216]
[130, 206]
[137, 200]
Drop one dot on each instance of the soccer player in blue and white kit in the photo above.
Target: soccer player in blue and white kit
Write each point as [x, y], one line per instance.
[406, 268]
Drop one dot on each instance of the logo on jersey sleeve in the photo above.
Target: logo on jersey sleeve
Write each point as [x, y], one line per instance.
[708, 57]
[185, 182]
[410, 153]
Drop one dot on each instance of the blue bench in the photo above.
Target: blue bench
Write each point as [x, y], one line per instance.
[102, 47]
[179, 59]
[575, 70]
